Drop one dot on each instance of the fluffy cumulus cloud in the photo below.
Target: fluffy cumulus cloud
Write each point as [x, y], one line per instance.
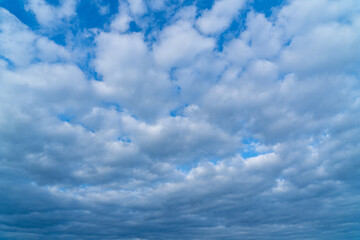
[219, 17]
[179, 120]
[49, 15]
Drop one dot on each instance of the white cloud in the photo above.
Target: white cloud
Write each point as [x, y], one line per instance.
[49, 15]
[15, 39]
[308, 52]
[262, 36]
[49, 51]
[179, 139]
[261, 39]
[219, 17]
[122, 20]
[21, 46]
[130, 77]
[157, 4]
[103, 6]
[137, 7]
[180, 44]
[300, 16]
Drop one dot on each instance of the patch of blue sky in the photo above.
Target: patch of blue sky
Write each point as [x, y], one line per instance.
[9, 64]
[159, 19]
[53, 2]
[17, 8]
[66, 117]
[134, 27]
[185, 168]
[179, 111]
[172, 74]
[177, 89]
[87, 128]
[71, 119]
[59, 38]
[124, 139]
[215, 160]
[200, 4]
[266, 6]
[173, 79]
[249, 153]
[204, 4]
[89, 70]
[62, 189]
[112, 105]
[236, 27]
[89, 15]
[249, 149]
[249, 140]
[86, 62]
[173, 113]
[85, 186]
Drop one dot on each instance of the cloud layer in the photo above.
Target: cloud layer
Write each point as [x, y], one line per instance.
[178, 121]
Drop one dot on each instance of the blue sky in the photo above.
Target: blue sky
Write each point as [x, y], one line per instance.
[224, 119]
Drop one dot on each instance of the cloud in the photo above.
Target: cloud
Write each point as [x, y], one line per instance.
[335, 55]
[122, 20]
[21, 46]
[49, 15]
[125, 67]
[219, 17]
[180, 44]
[16, 39]
[157, 4]
[165, 132]
[137, 7]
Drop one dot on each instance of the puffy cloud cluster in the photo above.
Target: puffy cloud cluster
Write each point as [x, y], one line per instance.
[219, 17]
[20, 46]
[49, 15]
[183, 133]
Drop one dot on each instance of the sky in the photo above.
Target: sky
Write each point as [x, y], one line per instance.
[188, 119]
